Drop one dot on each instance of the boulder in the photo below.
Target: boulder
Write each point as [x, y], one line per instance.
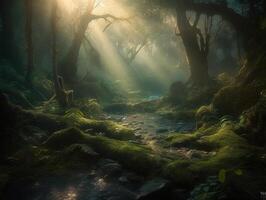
[156, 189]
[233, 100]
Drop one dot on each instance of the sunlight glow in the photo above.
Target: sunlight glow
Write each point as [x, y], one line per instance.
[70, 193]
[150, 63]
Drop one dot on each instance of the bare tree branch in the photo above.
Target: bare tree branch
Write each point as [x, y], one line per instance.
[137, 50]
[107, 17]
[99, 3]
[195, 24]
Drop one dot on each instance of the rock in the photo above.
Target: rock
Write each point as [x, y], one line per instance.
[123, 118]
[110, 167]
[81, 149]
[101, 134]
[197, 154]
[156, 189]
[229, 100]
[123, 179]
[132, 177]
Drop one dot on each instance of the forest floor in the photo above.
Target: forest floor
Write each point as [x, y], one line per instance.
[72, 155]
[108, 180]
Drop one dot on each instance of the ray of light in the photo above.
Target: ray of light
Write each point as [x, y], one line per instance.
[111, 59]
[156, 67]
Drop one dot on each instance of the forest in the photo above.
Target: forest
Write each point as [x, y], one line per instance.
[132, 99]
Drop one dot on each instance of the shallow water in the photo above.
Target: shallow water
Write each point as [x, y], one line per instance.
[152, 124]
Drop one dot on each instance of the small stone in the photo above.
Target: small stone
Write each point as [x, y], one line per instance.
[155, 189]
[110, 167]
[134, 177]
[123, 179]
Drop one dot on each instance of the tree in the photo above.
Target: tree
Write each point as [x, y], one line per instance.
[196, 41]
[8, 46]
[29, 41]
[68, 68]
[129, 51]
[197, 47]
[64, 97]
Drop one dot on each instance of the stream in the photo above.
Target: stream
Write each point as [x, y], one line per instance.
[151, 124]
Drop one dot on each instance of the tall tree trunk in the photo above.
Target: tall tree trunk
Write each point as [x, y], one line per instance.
[68, 68]
[54, 51]
[196, 54]
[8, 46]
[28, 34]
[64, 97]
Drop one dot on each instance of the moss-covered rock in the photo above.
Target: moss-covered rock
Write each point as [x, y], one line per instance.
[180, 173]
[111, 129]
[230, 151]
[233, 100]
[190, 140]
[133, 156]
[181, 140]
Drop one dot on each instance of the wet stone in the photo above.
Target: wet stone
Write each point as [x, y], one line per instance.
[110, 167]
[155, 189]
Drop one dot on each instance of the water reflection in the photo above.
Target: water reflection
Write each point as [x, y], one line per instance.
[70, 193]
[100, 184]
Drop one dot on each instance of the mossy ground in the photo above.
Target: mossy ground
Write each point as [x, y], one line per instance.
[111, 140]
[231, 152]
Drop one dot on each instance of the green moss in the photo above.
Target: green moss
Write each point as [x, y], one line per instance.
[51, 107]
[131, 155]
[64, 138]
[226, 157]
[181, 140]
[233, 100]
[111, 129]
[225, 136]
[202, 111]
[191, 140]
[179, 172]
[231, 151]
[90, 107]
[35, 162]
